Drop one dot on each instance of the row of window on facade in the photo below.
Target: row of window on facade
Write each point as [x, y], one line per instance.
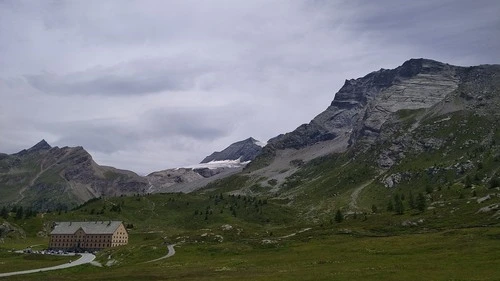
[67, 245]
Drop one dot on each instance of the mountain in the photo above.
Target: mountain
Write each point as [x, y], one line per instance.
[362, 105]
[215, 166]
[422, 127]
[44, 177]
[425, 127]
[245, 150]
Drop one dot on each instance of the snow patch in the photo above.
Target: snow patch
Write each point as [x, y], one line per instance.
[259, 143]
[212, 165]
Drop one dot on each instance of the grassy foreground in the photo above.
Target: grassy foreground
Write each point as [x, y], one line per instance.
[317, 254]
[17, 262]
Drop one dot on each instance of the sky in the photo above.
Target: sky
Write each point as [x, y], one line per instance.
[149, 85]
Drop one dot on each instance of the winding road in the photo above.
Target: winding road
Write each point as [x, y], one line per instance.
[85, 258]
[171, 252]
[353, 205]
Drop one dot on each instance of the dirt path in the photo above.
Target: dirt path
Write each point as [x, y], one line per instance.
[85, 258]
[171, 252]
[293, 234]
[353, 205]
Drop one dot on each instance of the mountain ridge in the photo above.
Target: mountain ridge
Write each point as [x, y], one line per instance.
[376, 124]
[46, 177]
[245, 150]
[378, 118]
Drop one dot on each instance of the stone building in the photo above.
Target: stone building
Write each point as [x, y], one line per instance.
[87, 236]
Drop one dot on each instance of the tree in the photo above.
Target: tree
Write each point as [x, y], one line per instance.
[19, 213]
[29, 213]
[398, 205]
[411, 201]
[374, 208]
[429, 189]
[390, 206]
[339, 217]
[4, 213]
[495, 182]
[468, 182]
[420, 202]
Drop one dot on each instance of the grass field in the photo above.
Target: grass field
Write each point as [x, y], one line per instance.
[317, 254]
[223, 237]
[16, 262]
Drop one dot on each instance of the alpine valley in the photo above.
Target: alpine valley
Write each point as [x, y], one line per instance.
[398, 179]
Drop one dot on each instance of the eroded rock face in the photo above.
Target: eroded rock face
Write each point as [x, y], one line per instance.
[363, 105]
[245, 150]
[45, 177]
[167, 178]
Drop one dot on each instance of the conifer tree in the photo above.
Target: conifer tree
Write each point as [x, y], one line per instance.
[421, 202]
[338, 216]
[4, 213]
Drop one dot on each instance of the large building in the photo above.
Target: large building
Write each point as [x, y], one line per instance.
[87, 236]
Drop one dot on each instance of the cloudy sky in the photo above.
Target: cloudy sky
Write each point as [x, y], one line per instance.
[149, 85]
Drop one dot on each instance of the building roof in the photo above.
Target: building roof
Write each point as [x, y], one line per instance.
[90, 227]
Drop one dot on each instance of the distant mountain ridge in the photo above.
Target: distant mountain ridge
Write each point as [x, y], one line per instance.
[215, 166]
[45, 177]
[245, 150]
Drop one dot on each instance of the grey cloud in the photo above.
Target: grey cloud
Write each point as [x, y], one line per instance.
[156, 84]
[446, 30]
[137, 77]
[104, 136]
[205, 124]
[112, 135]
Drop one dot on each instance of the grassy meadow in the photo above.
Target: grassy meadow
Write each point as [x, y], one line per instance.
[222, 237]
[317, 254]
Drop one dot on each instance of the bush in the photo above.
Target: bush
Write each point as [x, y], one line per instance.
[339, 217]
[495, 182]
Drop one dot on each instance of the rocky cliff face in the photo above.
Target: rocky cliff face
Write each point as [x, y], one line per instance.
[362, 105]
[382, 118]
[45, 177]
[245, 150]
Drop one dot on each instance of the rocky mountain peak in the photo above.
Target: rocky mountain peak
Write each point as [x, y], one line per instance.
[362, 105]
[413, 67]
[245, 150]
[40, 146]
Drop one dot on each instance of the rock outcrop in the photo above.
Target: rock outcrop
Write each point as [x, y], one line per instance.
[362, 105]
[245, 150]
